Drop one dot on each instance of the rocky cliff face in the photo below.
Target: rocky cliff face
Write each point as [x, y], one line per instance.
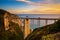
[10, 26]
[45, 30]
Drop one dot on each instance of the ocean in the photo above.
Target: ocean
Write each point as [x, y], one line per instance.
[42, 22]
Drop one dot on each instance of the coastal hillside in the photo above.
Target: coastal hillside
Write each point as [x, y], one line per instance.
[48, 32]
[10, 26]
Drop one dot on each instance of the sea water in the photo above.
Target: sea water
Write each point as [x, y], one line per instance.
[42, 22]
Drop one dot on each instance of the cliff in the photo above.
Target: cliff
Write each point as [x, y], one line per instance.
[45, 30]
[10, 26]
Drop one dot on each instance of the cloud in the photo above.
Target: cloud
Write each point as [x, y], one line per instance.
[39, 10]
[27, 1]
[48, 7]
[21, 0]
[43, 3]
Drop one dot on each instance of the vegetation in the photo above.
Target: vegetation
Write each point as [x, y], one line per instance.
[17, 33]
[45, 30]
[13, 33]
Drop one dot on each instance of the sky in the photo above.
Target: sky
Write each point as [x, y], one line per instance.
[31, 6]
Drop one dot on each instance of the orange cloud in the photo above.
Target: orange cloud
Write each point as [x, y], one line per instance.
[46, 9]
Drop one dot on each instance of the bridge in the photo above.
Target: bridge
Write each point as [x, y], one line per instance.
[27, 21]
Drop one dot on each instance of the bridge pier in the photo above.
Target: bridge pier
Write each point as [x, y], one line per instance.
[32, 23]
[38, 23]
[46, 21]
[26, 27]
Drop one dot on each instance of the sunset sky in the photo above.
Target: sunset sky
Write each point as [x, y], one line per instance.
[31, 6]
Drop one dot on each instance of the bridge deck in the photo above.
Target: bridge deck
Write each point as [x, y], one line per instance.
[42, 18]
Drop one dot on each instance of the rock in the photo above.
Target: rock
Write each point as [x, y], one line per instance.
[10, 26]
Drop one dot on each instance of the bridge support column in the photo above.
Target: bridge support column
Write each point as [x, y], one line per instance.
[38, 23]
[26, 27]
[46, 21]
[32, 23]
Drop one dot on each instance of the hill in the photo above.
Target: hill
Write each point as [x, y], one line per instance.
[10, 26]
[38, 33]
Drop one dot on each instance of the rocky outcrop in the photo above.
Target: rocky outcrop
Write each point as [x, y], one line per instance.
[45, 30]
[10, 26]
